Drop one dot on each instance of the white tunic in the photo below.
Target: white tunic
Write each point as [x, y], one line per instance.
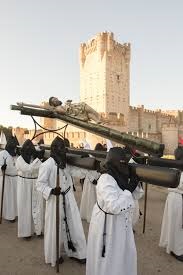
[46, 181]
[120, 257]
[89, 197]
[29, 202]
[172, 224]
[10, 186]
[137, 195]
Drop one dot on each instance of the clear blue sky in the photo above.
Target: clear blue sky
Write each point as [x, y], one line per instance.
[39, 49]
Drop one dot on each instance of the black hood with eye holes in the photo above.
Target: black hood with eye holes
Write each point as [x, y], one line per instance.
[11, 146]
[116, 165]
[28, 151]
[58, 152]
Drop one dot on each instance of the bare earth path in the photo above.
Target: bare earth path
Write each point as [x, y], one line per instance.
[20, 257]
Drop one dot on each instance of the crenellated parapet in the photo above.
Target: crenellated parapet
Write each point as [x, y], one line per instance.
[133, 108]
[166, 126]
[101, 43]
[162, 114]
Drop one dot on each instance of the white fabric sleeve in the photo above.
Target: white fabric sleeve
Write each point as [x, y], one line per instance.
[77, 171]
[42, 182]
[115, 200]
[93, 175]
[2, 158]
[138, 192]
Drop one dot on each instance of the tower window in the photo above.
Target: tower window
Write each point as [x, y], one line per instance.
[118, 77]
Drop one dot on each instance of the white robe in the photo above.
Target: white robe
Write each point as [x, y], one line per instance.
[46, 181]
[89, 197]
[120, 257]
[29, 201]
[10, 186]
[172, 224]
[137, 195]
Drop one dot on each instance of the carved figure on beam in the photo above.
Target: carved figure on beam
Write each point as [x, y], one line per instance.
[80, 110]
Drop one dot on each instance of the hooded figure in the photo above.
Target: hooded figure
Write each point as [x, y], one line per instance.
[58, 152]
[172, 224]
[99, 147]
[29, 201]
[116, 165]
[11, 146]
[70, 227]
[7, 162]
[111, 247]
[138, 192]
[89, 197]
[28, 151]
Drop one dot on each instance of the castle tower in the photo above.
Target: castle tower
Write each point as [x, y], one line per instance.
[104, 75]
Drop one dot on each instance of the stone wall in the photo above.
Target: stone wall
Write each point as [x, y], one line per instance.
[104, 74]
[170, 137]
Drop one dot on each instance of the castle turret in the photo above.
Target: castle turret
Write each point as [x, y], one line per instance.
[104, 77]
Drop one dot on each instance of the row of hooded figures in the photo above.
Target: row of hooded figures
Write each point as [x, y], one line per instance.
[109, 203]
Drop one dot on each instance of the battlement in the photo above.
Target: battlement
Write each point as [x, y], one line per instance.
[133, 108]
[141, 107]
[149, 111]
[169, 126]
[171, 112]
[163, 114]
[103, 42]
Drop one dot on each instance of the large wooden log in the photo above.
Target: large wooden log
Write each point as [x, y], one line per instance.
[155, 175]
[161, 176]
[141, 144]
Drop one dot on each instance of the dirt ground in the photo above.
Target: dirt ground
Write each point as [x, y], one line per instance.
[20, 257]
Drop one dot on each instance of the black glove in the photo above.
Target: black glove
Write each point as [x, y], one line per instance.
[3, 167]
[134, 180]
[40, 154]
[84, 156]
[56, 191]
[94, 182]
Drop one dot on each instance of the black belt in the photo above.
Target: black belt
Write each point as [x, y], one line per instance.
[27, 178]
[104, 230]
[69, 240]
[65, 192]
[103, 210]
[11, 175]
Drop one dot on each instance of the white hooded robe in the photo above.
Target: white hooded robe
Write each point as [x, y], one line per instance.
[10, 186]
[120, 256]
[172, 224]
[29, 202]
[89, 197]
[46, 181]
